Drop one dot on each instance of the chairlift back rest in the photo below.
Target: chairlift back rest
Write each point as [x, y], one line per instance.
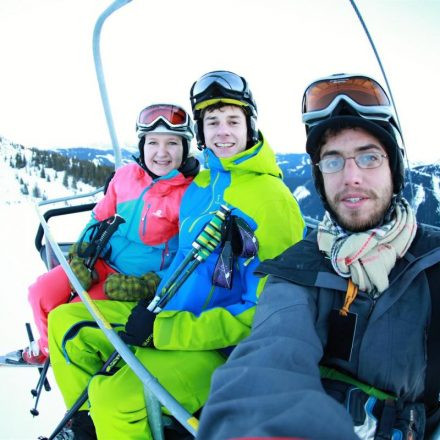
[48, 257]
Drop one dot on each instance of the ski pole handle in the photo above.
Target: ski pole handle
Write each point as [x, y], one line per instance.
[104, 239]
[205, 243]
[203, 246]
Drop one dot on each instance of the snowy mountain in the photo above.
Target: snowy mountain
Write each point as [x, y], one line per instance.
[29, 174]
[97, 156]
[58, 173]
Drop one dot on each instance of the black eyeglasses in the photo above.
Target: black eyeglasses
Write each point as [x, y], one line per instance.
[335, 162]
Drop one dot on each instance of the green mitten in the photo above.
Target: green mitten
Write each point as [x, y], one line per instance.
[73, 251]
[130, 288]
[80, 270]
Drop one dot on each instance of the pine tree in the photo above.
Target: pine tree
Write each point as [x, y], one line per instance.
[66, 180]
[36, 192]
[24, 189]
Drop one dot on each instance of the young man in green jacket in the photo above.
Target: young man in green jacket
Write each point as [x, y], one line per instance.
[213, 310]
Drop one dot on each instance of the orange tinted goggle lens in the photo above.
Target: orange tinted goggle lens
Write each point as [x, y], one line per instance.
[361, 90]
[174, 115]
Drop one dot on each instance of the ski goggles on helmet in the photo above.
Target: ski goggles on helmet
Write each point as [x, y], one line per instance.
[363, 95]
[224, 86]
[172, 117]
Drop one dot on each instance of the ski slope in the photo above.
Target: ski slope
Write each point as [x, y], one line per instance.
[20, 265]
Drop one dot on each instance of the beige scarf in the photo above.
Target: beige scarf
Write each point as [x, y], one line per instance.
[368, 257]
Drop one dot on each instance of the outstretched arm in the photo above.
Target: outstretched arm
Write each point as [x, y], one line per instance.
[270, 385]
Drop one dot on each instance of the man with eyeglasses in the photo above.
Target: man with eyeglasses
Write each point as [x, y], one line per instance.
[344, 344]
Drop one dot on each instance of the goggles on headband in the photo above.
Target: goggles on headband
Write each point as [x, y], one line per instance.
[221, 85]
[363, 95]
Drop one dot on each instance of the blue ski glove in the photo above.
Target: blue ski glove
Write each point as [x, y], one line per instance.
[139, 327]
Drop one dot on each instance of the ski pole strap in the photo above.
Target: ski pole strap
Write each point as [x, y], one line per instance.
[331, 373]
[86, 249]
[112, 225]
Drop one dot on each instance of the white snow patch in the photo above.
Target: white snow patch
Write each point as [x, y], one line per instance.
[20, 265]
[301, 193]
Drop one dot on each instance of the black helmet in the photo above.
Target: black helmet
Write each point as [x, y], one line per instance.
[345, 101]
[227, 87]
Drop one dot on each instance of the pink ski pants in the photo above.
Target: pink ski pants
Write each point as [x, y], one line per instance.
[53, 289]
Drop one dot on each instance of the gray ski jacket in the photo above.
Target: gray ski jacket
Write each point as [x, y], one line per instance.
[271, 384]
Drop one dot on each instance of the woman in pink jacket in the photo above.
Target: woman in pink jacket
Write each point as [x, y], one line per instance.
[147, 195]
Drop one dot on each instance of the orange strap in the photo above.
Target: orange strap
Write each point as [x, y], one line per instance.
[350, 296]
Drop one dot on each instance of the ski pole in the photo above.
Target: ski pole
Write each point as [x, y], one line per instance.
[37, 392]
[109, 364]
[31, 339]
[148, 380]
[42, 380]
[211, 230]
[203, 246]
[111, 228]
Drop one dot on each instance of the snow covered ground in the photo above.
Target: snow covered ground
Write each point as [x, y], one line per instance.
[20, 265]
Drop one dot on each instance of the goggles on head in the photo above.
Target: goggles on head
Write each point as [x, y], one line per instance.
[361, 94]
[173, 117]
[221, 84]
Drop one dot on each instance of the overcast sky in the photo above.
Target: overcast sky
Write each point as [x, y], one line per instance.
[154, 50]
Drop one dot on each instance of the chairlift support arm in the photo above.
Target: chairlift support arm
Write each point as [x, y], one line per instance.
[100, 76]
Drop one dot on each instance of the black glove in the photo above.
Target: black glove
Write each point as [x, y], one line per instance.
[139, 327]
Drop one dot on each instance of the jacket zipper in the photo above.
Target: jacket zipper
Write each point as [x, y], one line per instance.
[144, 219]
[165, 253]
[206, 212]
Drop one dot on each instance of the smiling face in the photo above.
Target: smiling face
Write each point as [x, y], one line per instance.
[225, 130]
[358, 197]
[162, 152]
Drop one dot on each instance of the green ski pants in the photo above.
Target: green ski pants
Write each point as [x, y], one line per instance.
[117, 405]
